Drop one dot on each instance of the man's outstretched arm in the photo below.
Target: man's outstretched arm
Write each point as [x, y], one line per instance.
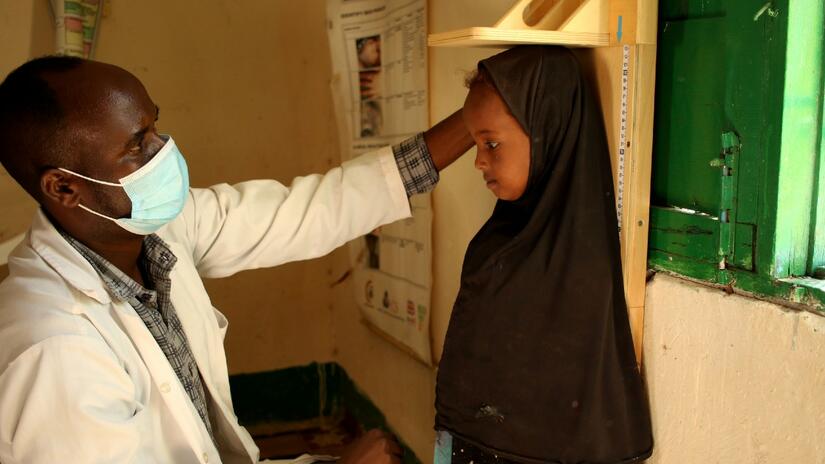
[265, 223]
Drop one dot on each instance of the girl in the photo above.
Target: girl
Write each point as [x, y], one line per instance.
[538, 363]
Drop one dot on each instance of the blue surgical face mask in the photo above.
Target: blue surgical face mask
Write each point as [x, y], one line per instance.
[158, 191]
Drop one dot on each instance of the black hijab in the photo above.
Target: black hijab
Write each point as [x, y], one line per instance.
[538, 363]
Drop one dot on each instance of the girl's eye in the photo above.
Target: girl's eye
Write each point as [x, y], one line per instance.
[491, 145]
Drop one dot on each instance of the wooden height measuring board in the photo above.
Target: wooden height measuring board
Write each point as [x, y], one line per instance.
[615, 41]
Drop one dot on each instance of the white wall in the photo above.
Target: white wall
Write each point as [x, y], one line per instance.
[733, 379]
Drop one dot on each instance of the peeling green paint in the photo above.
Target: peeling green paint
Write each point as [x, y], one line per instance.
[768, 75]
[804, 290]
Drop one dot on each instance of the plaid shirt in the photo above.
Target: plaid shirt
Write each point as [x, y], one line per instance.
[155, 309]
[156, 261]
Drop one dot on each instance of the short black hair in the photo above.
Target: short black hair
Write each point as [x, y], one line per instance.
[477, 76]
[30, 119]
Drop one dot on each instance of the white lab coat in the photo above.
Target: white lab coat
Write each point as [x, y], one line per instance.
[81, 378]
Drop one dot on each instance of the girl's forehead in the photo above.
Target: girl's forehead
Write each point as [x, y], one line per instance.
[485, 107]
[483, 95]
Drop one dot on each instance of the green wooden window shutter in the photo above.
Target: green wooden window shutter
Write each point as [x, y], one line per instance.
[718, 118]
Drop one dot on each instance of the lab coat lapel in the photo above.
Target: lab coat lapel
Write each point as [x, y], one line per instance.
[194, 312]
[163, 376]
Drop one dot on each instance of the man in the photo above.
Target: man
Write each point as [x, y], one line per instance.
[111, 350]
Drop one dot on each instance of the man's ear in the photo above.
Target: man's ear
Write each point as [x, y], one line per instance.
[60, 187]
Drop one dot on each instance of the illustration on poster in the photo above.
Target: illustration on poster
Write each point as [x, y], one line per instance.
[369, 51]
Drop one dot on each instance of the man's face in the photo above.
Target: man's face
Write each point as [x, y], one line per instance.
[110, 130]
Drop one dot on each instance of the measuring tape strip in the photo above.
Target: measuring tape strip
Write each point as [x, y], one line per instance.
[622, 134]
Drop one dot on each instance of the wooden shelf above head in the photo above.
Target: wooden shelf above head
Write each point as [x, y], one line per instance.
[497, 37]
[571, 23]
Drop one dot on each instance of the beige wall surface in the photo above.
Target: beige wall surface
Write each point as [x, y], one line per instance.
[26, 32]
[243, 88]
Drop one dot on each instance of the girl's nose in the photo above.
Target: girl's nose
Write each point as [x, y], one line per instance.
[481, 162]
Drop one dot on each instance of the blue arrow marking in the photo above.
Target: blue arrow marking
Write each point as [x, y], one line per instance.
[619, 32]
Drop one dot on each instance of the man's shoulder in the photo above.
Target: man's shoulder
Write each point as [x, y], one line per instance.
[32, 278]
[36, 304]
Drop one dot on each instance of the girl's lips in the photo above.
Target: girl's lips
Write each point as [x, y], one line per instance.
[491, 183]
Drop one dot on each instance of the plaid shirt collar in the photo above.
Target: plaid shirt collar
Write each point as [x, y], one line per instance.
[157, 258]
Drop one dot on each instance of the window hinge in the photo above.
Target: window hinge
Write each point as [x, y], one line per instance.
[727, 163]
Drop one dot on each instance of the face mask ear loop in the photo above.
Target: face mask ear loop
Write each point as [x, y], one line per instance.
[103, 182]
[96, 213]
[112, 184]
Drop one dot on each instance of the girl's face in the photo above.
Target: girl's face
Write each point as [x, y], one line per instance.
[503, 149]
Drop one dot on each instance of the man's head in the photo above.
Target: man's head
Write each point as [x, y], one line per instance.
[31, 120]
[89, 117]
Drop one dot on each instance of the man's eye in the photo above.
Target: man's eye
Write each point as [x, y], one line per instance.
[491, 145]
[139, 153]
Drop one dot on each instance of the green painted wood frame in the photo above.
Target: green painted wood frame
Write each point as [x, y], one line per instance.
[763, 82]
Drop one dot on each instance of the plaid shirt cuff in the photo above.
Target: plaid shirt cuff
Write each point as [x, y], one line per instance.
[415, 165]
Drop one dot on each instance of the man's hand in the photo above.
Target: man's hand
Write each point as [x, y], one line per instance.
[448, 140]
[375, 447]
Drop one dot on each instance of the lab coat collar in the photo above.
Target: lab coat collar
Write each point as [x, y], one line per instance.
[63, 258]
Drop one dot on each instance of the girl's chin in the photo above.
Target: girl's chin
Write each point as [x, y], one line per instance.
[495, 189]
[505, 196]
[500, 193]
